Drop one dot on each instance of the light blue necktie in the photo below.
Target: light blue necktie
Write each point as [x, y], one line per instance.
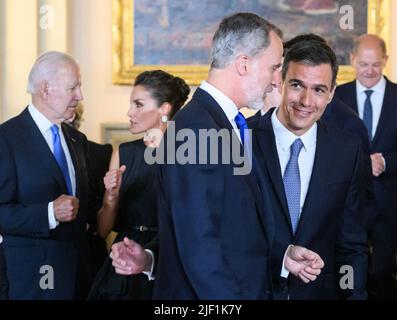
[367, 116]
[292, 183]
[242, 126]
[59, 155]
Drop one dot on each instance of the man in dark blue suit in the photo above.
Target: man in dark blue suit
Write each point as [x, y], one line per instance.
[314, 171]
[215, 227]
[374, 98]
[44, 188]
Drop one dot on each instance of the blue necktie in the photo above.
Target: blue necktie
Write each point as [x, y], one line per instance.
[367, 116]
[59, 155]
[292, 183]
[242, 126]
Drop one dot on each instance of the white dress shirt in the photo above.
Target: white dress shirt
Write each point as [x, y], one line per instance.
[44, 126]
[376, 101]
[227, 105]
[284, 140]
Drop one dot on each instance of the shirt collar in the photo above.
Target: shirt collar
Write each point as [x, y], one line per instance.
[227, 105]
[41, 121]
[286, 138]
[379, 87]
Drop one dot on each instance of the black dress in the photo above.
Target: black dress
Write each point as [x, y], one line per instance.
[137, 212]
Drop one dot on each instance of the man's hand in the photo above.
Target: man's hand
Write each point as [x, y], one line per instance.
[112, 181]
[66, 208]
[303, 263]
[378, 165]
[130, 257]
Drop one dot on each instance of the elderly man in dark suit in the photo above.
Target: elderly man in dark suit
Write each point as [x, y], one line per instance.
[44, 188]
[374, 98]
[314, 171]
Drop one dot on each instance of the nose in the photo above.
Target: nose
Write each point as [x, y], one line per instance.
[306, 98]
[131, 111]
[79, 94]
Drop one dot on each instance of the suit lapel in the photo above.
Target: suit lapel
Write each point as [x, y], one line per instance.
[39, 148]
[207, 102]
[321, 160]
[269, 157]
[71, 142]
[351, 97]
[387, 111]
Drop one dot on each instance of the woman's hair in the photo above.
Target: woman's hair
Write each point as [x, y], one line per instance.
[164, 87]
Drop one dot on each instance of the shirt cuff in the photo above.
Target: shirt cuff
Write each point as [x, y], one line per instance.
[1, 239]
[52, 222]
[284, 272]
[149, 274]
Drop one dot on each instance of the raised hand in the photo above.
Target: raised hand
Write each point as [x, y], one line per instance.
[112, 181]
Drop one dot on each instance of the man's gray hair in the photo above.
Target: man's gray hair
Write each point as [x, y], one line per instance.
[46, 66]
[241, 33]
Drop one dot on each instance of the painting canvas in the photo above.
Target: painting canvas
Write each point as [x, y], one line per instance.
[176, 35]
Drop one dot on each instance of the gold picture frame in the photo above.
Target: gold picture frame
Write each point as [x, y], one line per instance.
[125, 70]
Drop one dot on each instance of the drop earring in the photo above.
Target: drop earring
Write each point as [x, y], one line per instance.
[164, 119]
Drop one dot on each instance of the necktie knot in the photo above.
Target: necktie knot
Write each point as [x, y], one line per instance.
[240, 121]
[55, 130]
[296, 148]
[368, 93]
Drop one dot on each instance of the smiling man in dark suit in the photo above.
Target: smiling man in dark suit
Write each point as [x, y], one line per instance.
[44, 187]
[314, 173]
[374, 98]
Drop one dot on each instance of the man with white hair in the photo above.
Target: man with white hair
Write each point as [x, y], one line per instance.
[44, 187]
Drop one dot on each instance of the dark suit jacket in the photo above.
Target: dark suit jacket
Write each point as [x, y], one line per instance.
[330, 222]
[384, 141]
[214, 234]
[30, 179]
[343, 117]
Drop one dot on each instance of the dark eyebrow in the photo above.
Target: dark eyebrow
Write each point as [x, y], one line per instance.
[317, 86]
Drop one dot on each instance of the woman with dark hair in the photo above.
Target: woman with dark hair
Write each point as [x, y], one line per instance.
[129, 204]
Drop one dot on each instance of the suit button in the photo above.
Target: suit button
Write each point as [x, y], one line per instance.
[285, 289]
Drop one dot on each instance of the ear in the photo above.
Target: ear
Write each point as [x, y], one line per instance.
[241, 64]
[165, 109]
[386, 58]
[44, 89]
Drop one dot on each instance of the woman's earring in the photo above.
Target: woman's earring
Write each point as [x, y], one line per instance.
[164, 119]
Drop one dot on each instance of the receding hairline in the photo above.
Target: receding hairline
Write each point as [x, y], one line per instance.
[366, 37]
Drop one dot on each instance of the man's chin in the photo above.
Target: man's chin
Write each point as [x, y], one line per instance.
[255, 106]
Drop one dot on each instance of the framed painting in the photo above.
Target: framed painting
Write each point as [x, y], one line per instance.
[176, 35]
[117, 133]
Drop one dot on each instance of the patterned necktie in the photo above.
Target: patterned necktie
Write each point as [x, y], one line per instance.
[367, 116]
[242, 126]
[292, 183]
[59, 155]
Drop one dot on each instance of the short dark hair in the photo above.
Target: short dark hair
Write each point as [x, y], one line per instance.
[164, 87]
[312, 53]
[302, 37]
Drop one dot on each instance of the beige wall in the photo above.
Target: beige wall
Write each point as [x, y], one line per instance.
[82, 28]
